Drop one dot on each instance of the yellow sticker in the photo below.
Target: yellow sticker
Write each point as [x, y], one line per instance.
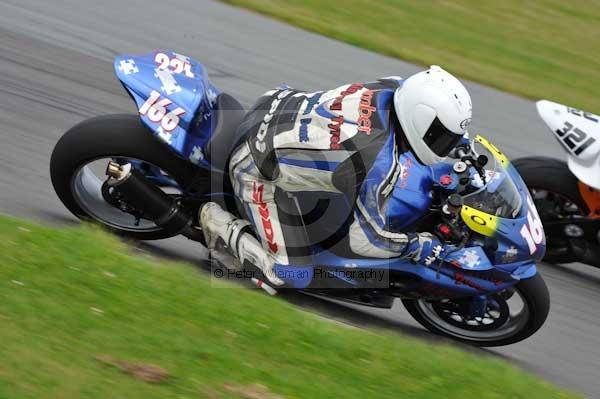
[499, 155]
[479, 221]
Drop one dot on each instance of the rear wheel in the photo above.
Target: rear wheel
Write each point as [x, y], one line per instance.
[81, 155]
[555, 192]
[510, 316]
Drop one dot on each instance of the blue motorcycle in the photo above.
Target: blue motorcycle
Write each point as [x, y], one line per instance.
[145, 176]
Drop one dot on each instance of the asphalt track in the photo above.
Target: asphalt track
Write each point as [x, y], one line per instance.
[56, 69]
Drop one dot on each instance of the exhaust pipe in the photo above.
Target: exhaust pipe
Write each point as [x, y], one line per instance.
[146, 197]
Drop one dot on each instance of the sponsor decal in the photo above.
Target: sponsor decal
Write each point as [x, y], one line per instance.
[211, 96]
[303, 137]
[196, 155]
[168, 82]
[405, 173]
[312, 101]
[463, 276]
[128, 67]
[365, 110]
[460, 278]
[470, 259]
[260, 144]
[336, 105]
[510, 254]
[263, 210]
[304, 122]
[334, 130]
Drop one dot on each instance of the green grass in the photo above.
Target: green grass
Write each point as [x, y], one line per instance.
[70, 295]
[539, 49]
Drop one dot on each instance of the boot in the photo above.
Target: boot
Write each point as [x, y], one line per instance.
[222, 230]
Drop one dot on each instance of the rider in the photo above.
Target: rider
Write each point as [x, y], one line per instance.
[363, 140]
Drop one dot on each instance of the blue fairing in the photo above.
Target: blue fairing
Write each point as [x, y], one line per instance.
[185, 83]
[511, 247]
[453, 280]
[481, 267]
[465, 272]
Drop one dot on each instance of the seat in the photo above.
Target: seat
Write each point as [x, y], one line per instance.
[226, 135]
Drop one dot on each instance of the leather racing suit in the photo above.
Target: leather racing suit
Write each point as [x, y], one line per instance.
[346, 141]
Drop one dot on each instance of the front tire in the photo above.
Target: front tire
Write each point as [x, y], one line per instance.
[118, 135]
[536, 302]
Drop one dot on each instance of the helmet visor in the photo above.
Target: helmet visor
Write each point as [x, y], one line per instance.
[439, 139]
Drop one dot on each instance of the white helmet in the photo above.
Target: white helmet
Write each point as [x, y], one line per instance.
[434, 110]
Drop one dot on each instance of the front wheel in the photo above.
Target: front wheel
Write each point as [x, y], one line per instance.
[511, 315]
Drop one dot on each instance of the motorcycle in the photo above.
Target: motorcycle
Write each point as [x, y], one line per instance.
[567, 193]
[146, 176]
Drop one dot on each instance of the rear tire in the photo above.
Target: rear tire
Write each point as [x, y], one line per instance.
[105, 136]
[552, 175]
[535, 295]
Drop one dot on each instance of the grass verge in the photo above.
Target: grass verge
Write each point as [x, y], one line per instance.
[538, 49]
[79, 313]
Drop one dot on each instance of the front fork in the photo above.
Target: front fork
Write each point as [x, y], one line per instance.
[478, 306]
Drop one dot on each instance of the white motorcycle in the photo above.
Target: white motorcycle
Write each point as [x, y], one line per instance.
[567, 194]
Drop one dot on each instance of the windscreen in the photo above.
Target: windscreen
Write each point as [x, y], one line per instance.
[496, 193]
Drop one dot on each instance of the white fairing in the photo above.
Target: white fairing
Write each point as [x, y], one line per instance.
[579, 133]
